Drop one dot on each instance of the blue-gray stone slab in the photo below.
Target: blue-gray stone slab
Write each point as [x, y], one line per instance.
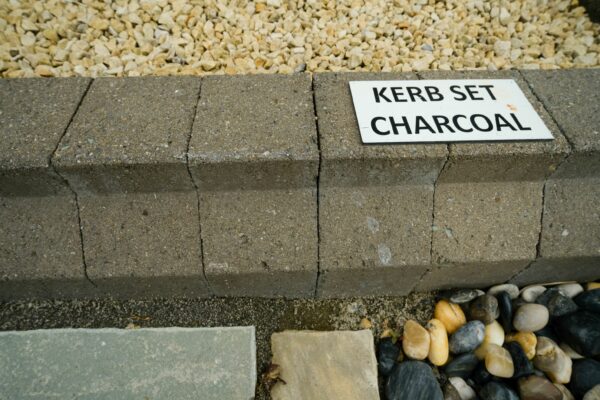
[153, 363]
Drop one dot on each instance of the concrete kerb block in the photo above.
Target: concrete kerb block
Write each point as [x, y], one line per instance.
[375, 201]
[124, 154]
[570, 239]
[254, 157]
[40, 246]
[488, 200]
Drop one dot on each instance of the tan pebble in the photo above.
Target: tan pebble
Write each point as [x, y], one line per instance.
[365, 323]
[29, 25]
[527, 340]
[415, 340]
[592, 285]
[494, 334]
[100, 24]
[44, 70]
[498, 362]
[550, 359]
[566, 394]
[450, 314]
[438, 348]
[593, 393]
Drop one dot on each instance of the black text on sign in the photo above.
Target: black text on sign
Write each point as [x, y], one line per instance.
[445, 111]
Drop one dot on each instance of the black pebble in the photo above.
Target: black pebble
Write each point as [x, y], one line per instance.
[548, 332]
[581, 331]
[387, 354]
[585, 375]
[522, 364]
[545, 297]
[412, 380]
[497, 391]
[506, 310]
[461, 366]
[559, 305]
[589, 300]
[480, 375]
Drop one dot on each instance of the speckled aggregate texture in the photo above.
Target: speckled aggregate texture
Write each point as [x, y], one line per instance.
[254, 157]
[374, 201]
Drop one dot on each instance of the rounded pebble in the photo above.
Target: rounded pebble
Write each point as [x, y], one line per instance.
[465, 295]
[550, 359]
[566, 394]
[593, 393]
[450, 314]
[415, 341]
[530, 293]
[462, 365]
[531, 318]
[586, 374]
[387, 355]
[570, 289]
[438, 348]
[494, 334]
[523, 366]
[465, 391]
[497, 391]
[412, 380]
[536, 387]
[589, 300]
[498, 362]
[509, 288]
[527, 340]
[506, 310]
[467, 338]
[485, 309]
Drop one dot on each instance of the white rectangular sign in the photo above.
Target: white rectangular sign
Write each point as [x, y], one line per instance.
[445, 111]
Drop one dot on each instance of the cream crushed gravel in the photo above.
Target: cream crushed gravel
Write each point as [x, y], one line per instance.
[161, 37]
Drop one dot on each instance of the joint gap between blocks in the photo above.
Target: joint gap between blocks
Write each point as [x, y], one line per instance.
[318, 184]
[68, 185]
[196, 190]
[546, 179]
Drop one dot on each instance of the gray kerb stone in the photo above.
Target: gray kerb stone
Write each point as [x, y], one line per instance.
[149, 363]
[254, 157]
[124, 154]
[40, 247]
[375, 201]
[488, 201]
[570, 240]
[325, 365]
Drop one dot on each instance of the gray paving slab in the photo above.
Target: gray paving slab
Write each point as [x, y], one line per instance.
[254, 157]
[325, 365]
[375, 201]
[149, 363]
[40, 248]
[130, 135]
[143, 244]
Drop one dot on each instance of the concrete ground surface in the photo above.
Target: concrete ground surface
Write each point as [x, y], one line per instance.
[267, 315]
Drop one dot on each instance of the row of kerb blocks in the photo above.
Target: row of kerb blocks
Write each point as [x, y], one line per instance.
[260, 186]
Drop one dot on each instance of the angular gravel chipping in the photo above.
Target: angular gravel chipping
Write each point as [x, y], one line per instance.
[161, 37]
